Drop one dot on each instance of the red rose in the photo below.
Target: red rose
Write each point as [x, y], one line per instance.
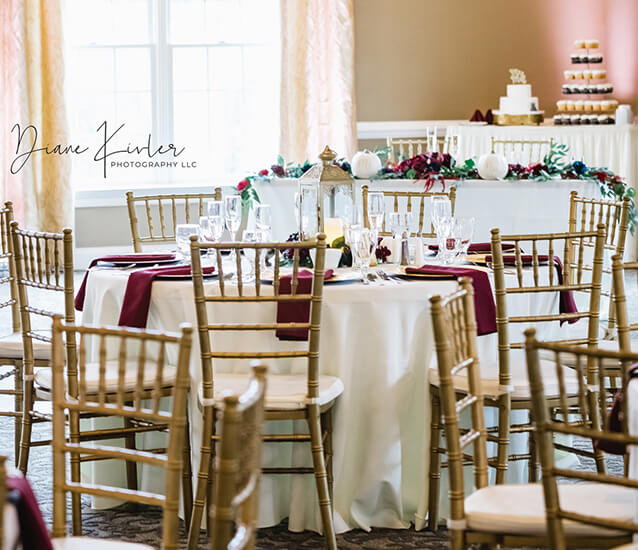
[242, 185]
[263, 172]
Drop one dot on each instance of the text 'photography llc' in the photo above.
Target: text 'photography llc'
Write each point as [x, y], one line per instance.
[112, 151]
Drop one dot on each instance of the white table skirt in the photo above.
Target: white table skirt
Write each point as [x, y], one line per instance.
[512, 206]
[632, 411]
[379, 341]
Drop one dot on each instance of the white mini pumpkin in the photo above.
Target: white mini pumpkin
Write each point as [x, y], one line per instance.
[365, 164]
[492, 166]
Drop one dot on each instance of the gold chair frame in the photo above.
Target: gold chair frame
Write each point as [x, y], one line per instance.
[238, 470]
[421, 196]
[522, 142]
[176, 204]
[593, 417]
[318, 418]
[6, 253]
[413, 146]
[140, 404]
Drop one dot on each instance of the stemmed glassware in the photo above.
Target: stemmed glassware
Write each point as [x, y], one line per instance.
[183, 232]
[465, 230]
[441, 207]
[263, 221]
[376, 212]
[362, 247]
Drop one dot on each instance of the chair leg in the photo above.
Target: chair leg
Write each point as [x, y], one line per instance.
[209, 481]
[435, 461]
[326, 428]
[503, 442]
[131, 465]
[76, 498]
[532, 467]
[27, 420]
[202, 479]
[18, 387]
[187, 475]
[321, 476]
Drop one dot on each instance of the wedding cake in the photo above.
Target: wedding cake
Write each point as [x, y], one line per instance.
[519, 106]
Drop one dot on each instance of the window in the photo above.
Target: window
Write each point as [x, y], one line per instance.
[201, 74]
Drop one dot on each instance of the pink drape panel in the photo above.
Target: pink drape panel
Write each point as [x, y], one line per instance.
[317, 80]
[32, 92]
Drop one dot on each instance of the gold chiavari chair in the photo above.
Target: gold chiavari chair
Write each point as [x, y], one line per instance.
[238, 471]
[406, 199]
[3, 495]
[404, 148]
[43, 264]
[131, 388]
[308, 397]
[599, 512]
[584, 214]
[450, 143]
[504, 382]
[522, 151]
[11, 344]
[541, 280]
[624, 328]
[162, 213]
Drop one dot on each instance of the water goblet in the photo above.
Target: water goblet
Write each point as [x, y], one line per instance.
[215, 209]
[362, 249]
[465, 230]
[440, 207]
[183, 232]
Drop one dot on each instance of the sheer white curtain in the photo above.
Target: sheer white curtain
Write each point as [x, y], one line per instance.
[32, 92]
[317, 78]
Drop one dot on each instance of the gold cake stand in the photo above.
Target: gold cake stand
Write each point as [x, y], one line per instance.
[530, 119]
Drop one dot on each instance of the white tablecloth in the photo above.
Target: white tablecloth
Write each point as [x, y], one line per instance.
[378, 340]
[632, 411]
[512, 206]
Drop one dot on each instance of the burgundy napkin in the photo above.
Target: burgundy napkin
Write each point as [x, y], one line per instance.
[614, 421]
[489, 116]
[79, 297]
[137, 296]
[296, 312]
[33, 531]
[567, 304]
[478, 247]
[484, 306]
[477, 116]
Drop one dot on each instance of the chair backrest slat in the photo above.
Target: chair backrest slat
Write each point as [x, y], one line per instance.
[156, 228]
[6, 254]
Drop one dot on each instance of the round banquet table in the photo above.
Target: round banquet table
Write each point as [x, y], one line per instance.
[379, 341]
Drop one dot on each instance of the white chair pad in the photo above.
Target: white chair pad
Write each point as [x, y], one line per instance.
[283, 391]
[569, 359]
[520, 509]
[11, 346]
[82, 543]
[519, 380]
[43, 377]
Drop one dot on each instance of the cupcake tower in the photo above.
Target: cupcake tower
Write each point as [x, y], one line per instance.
[586, 87]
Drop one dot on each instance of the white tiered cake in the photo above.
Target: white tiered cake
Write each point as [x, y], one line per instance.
[518, 106]
[519, 100]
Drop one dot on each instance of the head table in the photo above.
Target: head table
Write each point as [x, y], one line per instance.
[378, 339]
[514, 207]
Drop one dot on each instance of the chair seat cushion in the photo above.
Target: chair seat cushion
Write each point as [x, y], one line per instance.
[82, 543]
[43, 377]
[519, 380]
[11, 346]
[283, 391]
[520, 509]
[569, 359]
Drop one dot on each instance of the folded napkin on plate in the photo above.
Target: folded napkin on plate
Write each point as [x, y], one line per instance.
[483, 297]
[33, 531]
[296, 312]
[79, 297]
[137, 296]
[614, 422]
[478, 247]
[567, 304]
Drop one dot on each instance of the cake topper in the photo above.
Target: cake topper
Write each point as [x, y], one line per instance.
[517, 76]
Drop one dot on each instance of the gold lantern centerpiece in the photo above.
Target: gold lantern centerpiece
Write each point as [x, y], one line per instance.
[326, 196]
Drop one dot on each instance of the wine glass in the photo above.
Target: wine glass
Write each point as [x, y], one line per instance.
[465, 230]
[263, 221]
[183, 232]
[449, 239]
[362, 249]
[215, 209]
[376, 211]
[232, 209]
[440, 207]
